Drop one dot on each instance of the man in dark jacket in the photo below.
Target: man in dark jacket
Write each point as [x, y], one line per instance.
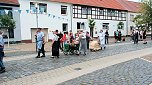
[106, 37]
[136, 34]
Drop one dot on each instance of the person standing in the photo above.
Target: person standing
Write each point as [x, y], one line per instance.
[119, 36]
[60, 36]
[141, 35]
[88, 38]
[136, 35]
[55, 45]
[2, 67]
[115, 36]
[106, 37]
[83, 45]
[102, 39]
[40, 43]
[77, 43]
[144, 37]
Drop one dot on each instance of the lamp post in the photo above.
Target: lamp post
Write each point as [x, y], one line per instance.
[36, 7]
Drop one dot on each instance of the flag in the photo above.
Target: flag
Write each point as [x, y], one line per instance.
[49, 15]
[20, 11]
[27, 11]
[53, 16]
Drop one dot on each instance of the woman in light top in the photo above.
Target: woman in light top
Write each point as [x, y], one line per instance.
[83, 43]
[55, 46]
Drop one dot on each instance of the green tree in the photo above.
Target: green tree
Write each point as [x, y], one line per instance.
[138, 20]
[120, 25]
[6, 22]
[92, 24]
[146, 13]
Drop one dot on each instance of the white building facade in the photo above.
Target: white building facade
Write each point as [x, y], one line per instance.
[65, 17]
[14, 34]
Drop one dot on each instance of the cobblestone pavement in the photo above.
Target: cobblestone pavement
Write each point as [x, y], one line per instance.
[20, 68]
[134, 72]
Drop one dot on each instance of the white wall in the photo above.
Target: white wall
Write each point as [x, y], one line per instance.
[17, 30]
[98, 26]
[28, 20]
[131, 23]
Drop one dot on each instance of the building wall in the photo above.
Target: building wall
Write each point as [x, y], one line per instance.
[98, 26]
[28, 20]
[17, 30]
[130, 22]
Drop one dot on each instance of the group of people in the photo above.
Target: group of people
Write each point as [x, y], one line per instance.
[117, 36]
[136, 35]
[81, 40]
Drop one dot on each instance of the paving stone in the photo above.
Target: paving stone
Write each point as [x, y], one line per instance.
[20, 68]
[140, 75]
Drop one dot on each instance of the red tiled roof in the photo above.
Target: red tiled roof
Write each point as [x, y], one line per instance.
[113, 4]
[129, 5]
[99, 3]
[15, 2]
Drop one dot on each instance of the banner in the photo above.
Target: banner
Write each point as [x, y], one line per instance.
[2, 12]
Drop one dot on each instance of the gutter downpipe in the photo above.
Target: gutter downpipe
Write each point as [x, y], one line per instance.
[71, 11]
[127, 24]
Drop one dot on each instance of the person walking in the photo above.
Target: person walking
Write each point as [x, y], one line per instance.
[106, 37]
[144, 37]
[77, 43]
[88, 38]
[2, 67]
[136, 35]
[83, 45]
[60, 36]
[40, 43]
[115, 36]
[119, 36]
[102, 39]
[55, 45]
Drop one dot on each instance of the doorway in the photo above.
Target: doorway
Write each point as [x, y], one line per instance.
[33, 33]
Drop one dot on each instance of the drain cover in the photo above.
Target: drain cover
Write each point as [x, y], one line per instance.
[78, 69]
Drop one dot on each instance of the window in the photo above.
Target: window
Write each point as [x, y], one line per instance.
[2, 11]
[84, 10]
[131, 17]
[101, 12]
[42, 8]
[64, 10]
[105, 25]
[32, 7]
[11, 33]
[80, 25]
[89, 11]
[65, 26]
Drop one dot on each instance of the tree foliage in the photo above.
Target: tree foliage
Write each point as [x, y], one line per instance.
[120, 25]
[144, 20]
[91, 23]
[7, 22]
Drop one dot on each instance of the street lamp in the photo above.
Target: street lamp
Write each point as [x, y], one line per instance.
[36, 7]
